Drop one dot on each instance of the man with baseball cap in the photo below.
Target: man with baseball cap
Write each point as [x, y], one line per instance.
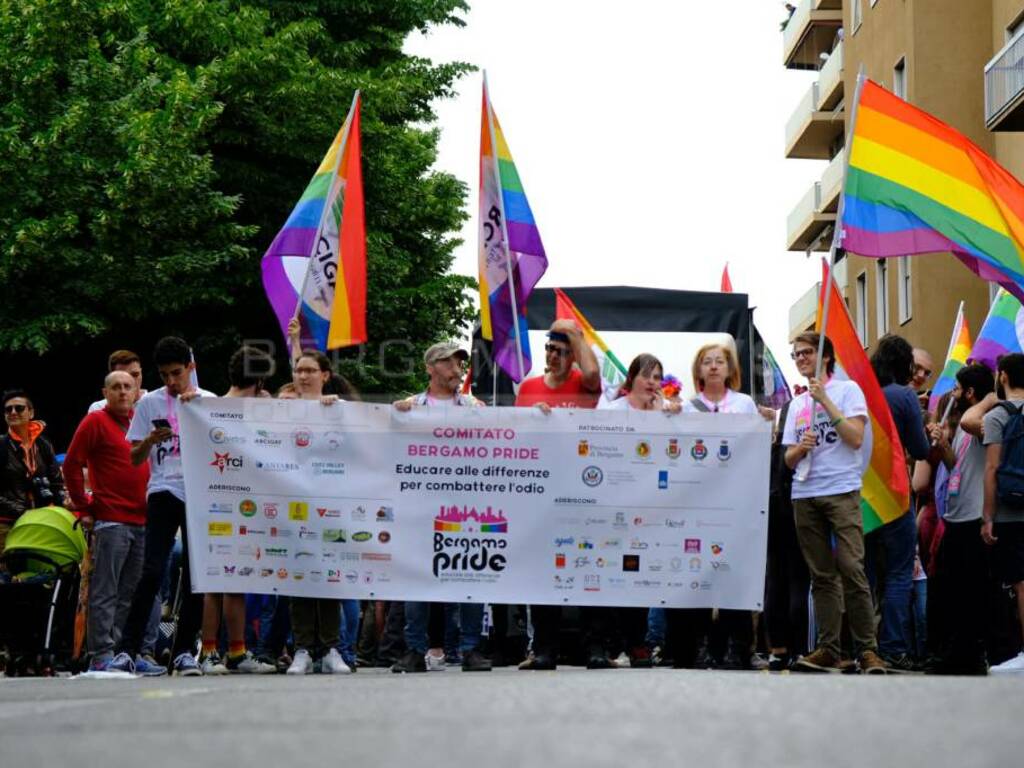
[445, 362]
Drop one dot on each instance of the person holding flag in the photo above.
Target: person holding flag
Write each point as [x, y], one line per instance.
[830, 419]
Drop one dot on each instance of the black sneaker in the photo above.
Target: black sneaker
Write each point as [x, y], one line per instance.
[474, 661]
[778, 663]
[901, 664]
[410, 662]
[597, 658]
[541, 661]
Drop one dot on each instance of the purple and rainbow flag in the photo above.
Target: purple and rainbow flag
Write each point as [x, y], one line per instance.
[956, 358]
[511, 254]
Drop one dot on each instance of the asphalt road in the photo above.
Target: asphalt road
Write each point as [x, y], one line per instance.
[571, 717]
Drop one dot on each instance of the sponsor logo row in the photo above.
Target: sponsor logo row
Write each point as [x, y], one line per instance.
[217, 528]
[644, 450]
[300, 511]
[315, 575]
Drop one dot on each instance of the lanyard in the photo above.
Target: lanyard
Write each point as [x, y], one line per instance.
[953, 486]
[172, 417]
[718, 407]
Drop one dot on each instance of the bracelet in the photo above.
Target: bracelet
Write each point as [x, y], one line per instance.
[837, 421]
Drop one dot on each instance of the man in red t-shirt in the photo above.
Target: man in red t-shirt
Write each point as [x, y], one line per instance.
[115, 510]
[564, 385]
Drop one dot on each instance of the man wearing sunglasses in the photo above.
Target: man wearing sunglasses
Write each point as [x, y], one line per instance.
[571, 377]
[563, 385]
[29, 475]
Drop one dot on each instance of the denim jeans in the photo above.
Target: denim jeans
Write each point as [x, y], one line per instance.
[471, 617]
[655, 627]
[920, 600]
[896, 543]
[349, 630]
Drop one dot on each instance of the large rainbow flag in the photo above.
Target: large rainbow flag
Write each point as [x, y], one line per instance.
[956, 358]
[315, 268]
[885, 494]
[510, 249]
[613, 372]
[999, 334]
[915, 185]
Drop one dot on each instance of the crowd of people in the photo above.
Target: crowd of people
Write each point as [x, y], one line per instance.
[938, 589]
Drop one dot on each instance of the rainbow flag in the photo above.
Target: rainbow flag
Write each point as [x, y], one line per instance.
[956, 358]
[315, 268]
[915, 185]
[509, 249]
[885, 493]
[1001, 332]
[613, 372]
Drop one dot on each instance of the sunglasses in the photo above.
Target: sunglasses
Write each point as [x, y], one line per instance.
[554, 349]
[15, 408]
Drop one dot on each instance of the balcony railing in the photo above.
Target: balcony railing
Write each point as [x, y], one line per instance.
[810, 132]
[832, 183]
[1004, 88]
[830, 80]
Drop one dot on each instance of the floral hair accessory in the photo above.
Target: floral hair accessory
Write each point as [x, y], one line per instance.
[670, 386]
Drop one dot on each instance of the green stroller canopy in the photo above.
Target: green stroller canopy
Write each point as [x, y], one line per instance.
[48, 531]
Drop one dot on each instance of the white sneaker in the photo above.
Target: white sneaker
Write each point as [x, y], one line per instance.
[621, 661]
[434, 663]
[1013, 666]
[333, 664]
[302, 664]
[250, 665]
[211, 664]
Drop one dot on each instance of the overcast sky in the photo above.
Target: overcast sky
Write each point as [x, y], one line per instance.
[649, 139]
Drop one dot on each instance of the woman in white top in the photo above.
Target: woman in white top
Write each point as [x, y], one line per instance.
[716, 379]
[641, 390]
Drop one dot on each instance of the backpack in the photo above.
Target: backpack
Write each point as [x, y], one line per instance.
[1010, 474]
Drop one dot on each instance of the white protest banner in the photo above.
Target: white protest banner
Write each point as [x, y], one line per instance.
[460, 504]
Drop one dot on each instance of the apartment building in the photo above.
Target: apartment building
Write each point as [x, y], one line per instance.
[960, 60]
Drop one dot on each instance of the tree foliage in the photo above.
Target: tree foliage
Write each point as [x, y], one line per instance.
[151, 149]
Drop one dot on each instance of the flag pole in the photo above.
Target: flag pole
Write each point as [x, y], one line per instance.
[837, 233]
[504, 237]
[949, 353]
[346, 129]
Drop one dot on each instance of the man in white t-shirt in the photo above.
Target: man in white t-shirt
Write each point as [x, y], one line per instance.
[154, 435]
[826, 427]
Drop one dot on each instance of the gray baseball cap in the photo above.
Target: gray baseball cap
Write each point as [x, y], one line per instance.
[442, 351]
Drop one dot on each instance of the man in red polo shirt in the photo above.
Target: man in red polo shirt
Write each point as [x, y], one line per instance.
[572, 379]
[116, 511]
[564, 385]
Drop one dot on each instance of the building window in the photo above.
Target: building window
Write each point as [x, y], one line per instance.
[857, 14]
[899, 79]
[882, 296]
[862, 308]
[903, 277]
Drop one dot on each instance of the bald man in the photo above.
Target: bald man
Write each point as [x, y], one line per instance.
[115, 510]
[923, 369]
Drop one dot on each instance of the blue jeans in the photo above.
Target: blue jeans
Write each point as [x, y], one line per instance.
[920, 600]
[471, 618]
[896, 542]
[655, 627]
[349, 630]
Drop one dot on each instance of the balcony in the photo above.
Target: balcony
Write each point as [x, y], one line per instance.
[804, 310]
[811, 31]
[811, 132]
[830, 80]
[806, 223]
[832, 183]
[1004, 88]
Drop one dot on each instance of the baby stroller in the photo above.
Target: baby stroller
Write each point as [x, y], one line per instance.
[39, 594]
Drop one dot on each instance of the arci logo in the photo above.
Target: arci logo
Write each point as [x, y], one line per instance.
[225, 461]
[478, 550]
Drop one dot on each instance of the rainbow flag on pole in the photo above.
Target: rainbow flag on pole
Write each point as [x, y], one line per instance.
[885, 494]
[915, 185]
[511, 255]
[956, 358]
[1000, 334]
[613, 372]
[316, 267]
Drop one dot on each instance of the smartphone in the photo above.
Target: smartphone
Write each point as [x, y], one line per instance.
[161, 424]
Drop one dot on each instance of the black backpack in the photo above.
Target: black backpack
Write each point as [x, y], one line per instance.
[1010, 474]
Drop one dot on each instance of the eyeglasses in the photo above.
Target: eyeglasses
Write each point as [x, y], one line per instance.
[554, 349]
[798, 353]
[15, 408]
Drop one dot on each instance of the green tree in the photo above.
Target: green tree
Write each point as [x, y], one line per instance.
[152, 148]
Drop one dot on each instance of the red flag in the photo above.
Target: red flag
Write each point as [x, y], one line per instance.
[726, 282]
